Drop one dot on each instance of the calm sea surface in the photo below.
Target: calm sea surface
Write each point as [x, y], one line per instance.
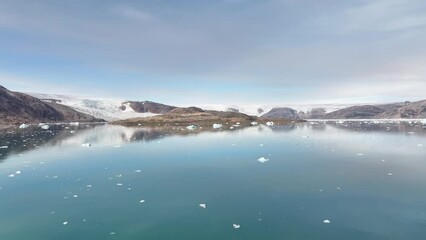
[347, 181]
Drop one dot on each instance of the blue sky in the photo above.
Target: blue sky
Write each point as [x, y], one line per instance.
[222, 51]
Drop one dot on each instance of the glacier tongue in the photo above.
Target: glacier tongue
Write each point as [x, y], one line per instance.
[104, 108]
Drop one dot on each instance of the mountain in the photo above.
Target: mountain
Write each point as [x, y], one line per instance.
[407, 110]
[16, 108]
[281, 113]
[259, 110]
[107, 108]
[147, 107]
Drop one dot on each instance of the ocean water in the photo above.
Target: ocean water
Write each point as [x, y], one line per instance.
[350, 180]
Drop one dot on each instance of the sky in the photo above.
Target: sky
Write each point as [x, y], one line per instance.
[218, 51]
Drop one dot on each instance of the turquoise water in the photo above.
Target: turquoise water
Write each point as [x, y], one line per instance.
[368, 180]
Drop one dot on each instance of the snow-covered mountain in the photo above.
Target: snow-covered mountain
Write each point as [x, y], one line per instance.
[104, 108]
[258, 110]
[116, 109]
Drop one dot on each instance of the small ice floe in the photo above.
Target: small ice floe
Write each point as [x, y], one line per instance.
[202, 205]
[270, 124]
[88, 185]
[360, 154]
[326, 221]
[390, 174]
[22, 126]
[261, 145]
[338, 188]
[138, 171]
[45, 127]
[112, 233]
[253, 123]
[262, 160]
[419, 145]
[217, 125]
[18, 172]
[191, 127]
[11, 175]
[236, 226]
[117, 146]
[4, 147]
[142, 201]
[86, 145]
[65, 223]
[231, 127]
[74, 123]
[119, 184]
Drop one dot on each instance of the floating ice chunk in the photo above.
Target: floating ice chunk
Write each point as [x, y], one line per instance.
[65, 223]
[236, 226]
[45, 127]
[142, 201]
[338, 188]
[262, 160]
[202, 205]
[119, 184]
[217, 125]
[270, 124]
[419, 145]
[86, 145]
[74, 123]
[18, 172]
[261, 145]
[138, 171]
[112, 233]
[24, 126]
[4, 147]
[253, 123]
[326, 221]
[11, 175]
[117, 146]
[390, 174]
[88, 185]
[360, 154]
[191, 127]
[231, 127]
[75, 196]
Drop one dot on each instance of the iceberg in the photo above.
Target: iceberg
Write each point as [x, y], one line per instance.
[22, 126]
[270, 124]
[262, 160]
[217, 125]
[191, 127]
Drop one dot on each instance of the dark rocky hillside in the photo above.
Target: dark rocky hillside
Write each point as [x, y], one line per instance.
[281, 113]
[147, 106]
[16, 108]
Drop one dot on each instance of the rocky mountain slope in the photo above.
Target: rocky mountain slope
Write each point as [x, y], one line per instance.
[16, 108]
[407, 110]
[281, 113]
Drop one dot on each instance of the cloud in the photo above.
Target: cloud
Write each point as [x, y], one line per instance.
[269, 47]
